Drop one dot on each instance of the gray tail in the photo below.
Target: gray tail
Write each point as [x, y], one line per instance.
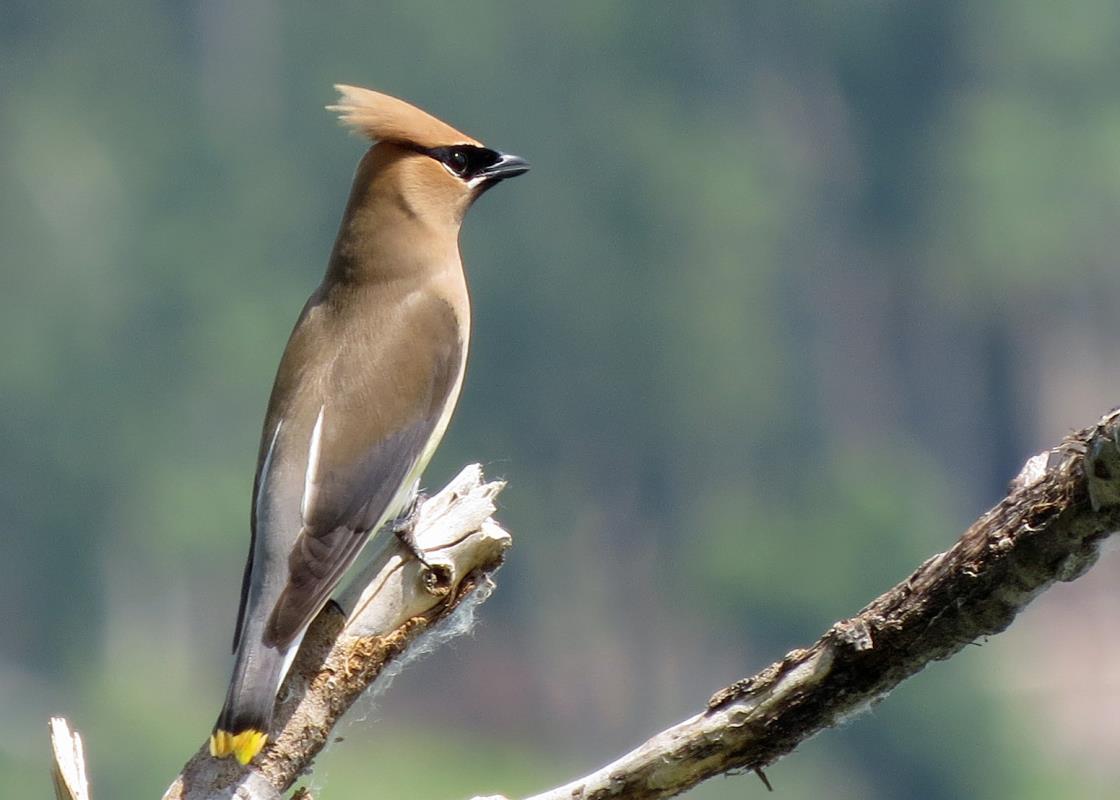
[251, 697]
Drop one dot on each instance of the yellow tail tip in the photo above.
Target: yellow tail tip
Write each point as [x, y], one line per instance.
[243, 746]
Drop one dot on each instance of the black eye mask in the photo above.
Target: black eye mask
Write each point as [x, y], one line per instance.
[465, 160]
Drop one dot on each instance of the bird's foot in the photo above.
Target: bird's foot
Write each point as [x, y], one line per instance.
[404, 528]
[436, 577]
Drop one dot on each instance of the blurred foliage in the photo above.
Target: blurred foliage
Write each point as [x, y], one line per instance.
[758, 334]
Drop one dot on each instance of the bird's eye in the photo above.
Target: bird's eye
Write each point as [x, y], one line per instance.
[457, 160]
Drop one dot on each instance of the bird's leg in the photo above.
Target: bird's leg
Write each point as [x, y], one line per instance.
[404, 527]
[436, 577]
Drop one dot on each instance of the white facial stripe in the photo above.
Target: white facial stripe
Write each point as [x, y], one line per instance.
[312, 464]
[472, 183]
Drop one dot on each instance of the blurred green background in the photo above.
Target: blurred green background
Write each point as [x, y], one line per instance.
[792, 291]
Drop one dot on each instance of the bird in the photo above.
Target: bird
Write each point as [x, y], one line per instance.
[364, 391]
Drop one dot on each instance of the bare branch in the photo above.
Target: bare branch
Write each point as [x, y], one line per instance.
[395, 607]
[1049, 528]
[69, 768]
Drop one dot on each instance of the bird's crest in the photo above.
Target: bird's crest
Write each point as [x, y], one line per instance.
[386, 119]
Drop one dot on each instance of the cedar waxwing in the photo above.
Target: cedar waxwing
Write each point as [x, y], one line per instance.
[364, 391]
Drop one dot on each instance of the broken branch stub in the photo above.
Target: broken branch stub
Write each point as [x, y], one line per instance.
[389, 604]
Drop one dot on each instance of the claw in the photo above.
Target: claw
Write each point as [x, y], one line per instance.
[404, 528]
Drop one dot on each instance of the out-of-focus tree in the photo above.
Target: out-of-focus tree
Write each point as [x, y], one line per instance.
[750, 228]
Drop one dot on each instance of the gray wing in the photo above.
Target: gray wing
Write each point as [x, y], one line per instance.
[338, 527]
[359, 430]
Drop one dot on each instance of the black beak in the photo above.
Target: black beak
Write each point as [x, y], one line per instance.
[506, 166]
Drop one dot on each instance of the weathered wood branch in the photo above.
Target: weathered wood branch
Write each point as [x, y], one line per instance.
[393, 608]
[393, 605]
[1048, 528]
[69, 762]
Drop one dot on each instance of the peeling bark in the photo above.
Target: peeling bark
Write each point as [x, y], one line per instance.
[1048, 529]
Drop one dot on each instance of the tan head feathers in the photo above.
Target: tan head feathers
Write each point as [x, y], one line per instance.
[386, 119]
